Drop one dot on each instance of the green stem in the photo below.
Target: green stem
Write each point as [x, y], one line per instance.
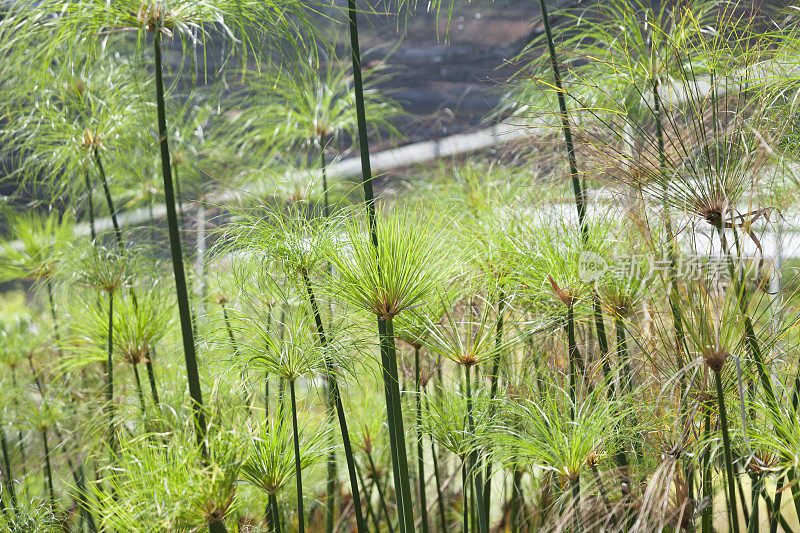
[394, 415]
[110, 375]
[90, 203]
[297, 465]
[477, 484]
[708, 488]
[276, 517]
[107, 192]
[367, 500]
[8, 475]
[436, 476]
[336, 403]
[576, 503]
[187, 334]
[756, 481]
[574, 356]
[464, 496]
[516, 496]
[776, 515]
[326, 204]
[495, 379]
[423, 503]
[726, 443]
[139, 390]
[48, 468]
[151, 375]
[377, 482]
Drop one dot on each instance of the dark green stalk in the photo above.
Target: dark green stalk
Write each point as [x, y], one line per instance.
[576, 503]
[276, 517]
[726, 443]
[19, 431]
[367, 500]
[151, 375]
[217, 526]
[139, 389]
[495, 379]
[112, 441]
[477, 484]
[48, 468]
[574, 355]
[706, 517]
[187, 334]
[394, 413]
[756, 482]
[516, 496]
[464, 499]
[336, 403]
[297, 466]
[90, 203]
[439, 495]
[8, 475]
[326, 204]
[776, 515]
[111, 207]
[395, 420]
[377, 482]
[603, 494]
[423, 504]
[622, 351]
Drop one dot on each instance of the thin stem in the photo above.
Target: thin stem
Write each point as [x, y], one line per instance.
[336, 402]
[376, 481]
[726, 443]
[706, 517]
[112, 441]
[7, 475]
[574, 356]
[151, 375]
[391, 384]
[516, 496]
[187, 334]
[423, 504]
[139, 390]
[107, 192]
[276, 517]
[495, 379]
[297, 466]
[48, 468]
[90, 203]
[776, 515]
[464, 499]
[473, 458]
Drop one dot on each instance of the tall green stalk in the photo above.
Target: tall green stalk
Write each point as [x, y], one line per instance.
[395, 418]
[495, 380]
[109, 201]
[423, 503]
[708, 487]
[90, 203]
[8, 475]
[112, 441]
[385, 329]
[184, 310]
[726, 444]
[276, 517]
[578, 191]
[336, 400]
[474, 468]
[298, 470]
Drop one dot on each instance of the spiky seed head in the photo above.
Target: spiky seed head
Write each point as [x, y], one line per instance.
[715, 359]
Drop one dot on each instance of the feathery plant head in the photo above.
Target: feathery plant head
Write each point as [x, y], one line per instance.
[284, 235]
[269, 462]
[308, 100]
[411, 263]
[289, 349]
[447, 420]
[467, 333]
[543, 434]
[40, 241]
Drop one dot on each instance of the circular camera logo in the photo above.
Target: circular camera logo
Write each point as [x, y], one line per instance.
[591, 267]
